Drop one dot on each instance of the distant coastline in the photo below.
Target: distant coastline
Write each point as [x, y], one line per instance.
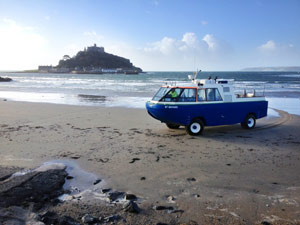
[274, 69]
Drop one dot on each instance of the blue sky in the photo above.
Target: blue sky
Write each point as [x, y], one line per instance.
[153, 34]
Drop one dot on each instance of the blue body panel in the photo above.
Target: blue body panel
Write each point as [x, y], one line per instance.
[213, 114]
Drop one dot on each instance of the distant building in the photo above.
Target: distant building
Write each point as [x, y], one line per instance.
[94, 49]
[45, 69]
[51, 69]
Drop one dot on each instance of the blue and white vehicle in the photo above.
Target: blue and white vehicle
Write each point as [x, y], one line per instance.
[206, 102]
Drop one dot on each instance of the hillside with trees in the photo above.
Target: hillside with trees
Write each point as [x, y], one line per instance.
[95, 57]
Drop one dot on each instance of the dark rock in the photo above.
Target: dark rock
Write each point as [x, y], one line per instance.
[191, 179]
[134, 159]
[67, 220]
[177, 211]
[5, 79]
[113, 196]
[265, 223]
[131, 207]
[228, 164]
[88, 219]
[105, 190]
[159, 223]
[130, 197]
[97, 181]
[143, 178]
[50, 218]
[255, 191]
[39, 189]
[161, 207]
[111, 219]
[69, 177]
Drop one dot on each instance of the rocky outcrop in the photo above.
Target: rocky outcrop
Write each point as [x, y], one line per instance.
[5, 79]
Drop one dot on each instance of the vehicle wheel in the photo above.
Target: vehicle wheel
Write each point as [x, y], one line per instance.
[249, 122]
[172, 126]
[195, 128]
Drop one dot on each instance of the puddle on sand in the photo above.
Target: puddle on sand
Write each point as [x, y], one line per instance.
[78, 181]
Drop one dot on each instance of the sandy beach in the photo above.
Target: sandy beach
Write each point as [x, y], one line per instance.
[226, 176]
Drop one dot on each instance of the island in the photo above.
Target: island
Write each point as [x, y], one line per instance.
[92, 60]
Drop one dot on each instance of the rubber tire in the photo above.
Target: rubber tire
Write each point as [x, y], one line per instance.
[172, 126]
[198, 127]
[249, 122]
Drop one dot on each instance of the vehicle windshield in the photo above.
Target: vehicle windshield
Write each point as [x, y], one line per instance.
[161, 93]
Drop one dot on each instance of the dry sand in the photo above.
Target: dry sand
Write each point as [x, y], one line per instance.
[226, 176]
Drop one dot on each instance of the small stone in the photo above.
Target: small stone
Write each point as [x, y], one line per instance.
[265, 223]
[131, 207]
[171, 199]
[143, 178]
[197, 196]
[159, 223]
[105, 190]
[69, 177]
[88, 219]
[113, 196]
[161, 207]
[97, 181]
[110, 219]
[130, 197]
[67, 220]
[191, 179]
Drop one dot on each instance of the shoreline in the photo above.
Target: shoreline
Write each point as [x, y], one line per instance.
[229, 175]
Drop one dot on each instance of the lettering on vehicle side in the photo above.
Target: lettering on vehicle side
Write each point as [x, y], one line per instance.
[171, 107]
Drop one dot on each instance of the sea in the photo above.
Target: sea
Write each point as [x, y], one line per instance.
[282, 89]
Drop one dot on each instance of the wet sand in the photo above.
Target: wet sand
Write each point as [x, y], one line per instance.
[226, 176]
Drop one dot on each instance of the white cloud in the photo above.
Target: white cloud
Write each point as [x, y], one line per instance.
[268, 46]
[273, 53]
[210, 41]
[169, 53]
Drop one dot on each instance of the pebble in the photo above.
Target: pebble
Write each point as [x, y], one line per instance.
[113, 196]
[131, 207]
[105, 190]
[130, 197]
[191, 179]
[161, 207]
[97, 181]
[88, 219]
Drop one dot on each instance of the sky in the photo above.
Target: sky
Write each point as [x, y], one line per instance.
[156, 35]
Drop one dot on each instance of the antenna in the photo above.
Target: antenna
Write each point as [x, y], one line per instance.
[195, 76]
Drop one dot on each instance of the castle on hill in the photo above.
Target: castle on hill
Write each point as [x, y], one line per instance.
[92, 59]
[94, 48]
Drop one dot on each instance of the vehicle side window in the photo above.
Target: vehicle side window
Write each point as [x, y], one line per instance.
[201, 95]
[172, 95]
[218, 96]
[162, 91]
[210, 94]
[188, 95]
[213, 94]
